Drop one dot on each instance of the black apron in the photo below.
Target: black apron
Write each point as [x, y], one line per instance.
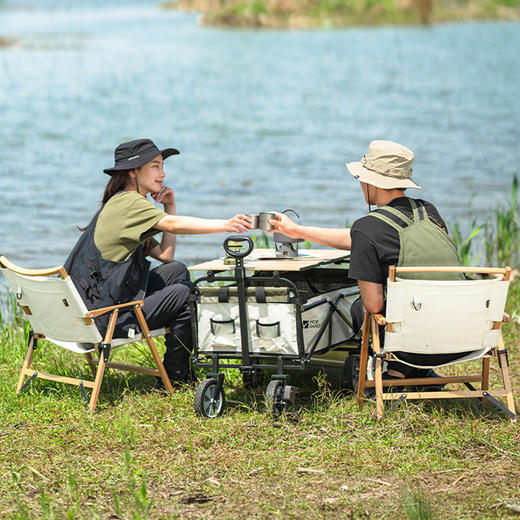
[102, 283]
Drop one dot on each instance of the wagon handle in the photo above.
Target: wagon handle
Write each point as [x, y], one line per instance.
[238, 254]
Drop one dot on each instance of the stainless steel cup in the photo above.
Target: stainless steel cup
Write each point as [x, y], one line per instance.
[263, 221]
[254, 220]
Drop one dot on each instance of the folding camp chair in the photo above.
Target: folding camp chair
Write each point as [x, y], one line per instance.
[439, 317]
[57, 313]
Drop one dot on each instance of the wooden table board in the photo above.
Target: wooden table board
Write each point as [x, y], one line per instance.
[266, 260]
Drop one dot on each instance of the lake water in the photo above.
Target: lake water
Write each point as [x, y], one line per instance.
[264, 119]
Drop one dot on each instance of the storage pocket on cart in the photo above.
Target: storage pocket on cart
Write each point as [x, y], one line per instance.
[273, 328]
[222, 327]
[267, 330]
[218, 328]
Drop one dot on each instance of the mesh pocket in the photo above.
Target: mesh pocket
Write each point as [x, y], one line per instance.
[268, 330]
[220, 327]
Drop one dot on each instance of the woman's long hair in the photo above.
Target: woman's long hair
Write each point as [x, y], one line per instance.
[117, 183]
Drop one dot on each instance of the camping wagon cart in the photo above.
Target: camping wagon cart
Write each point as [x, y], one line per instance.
[290, 314]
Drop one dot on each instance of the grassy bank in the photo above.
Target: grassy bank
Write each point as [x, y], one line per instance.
[146, 455]
[342, 13]
[7, 42]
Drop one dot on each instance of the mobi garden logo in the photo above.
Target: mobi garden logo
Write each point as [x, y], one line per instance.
[311, 324]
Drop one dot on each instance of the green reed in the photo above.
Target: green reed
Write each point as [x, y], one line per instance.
[465, 244]
[502, 231]
[500, 238]
[261, 240]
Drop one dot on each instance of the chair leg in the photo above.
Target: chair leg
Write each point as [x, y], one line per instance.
[97, 383]
[28, 361]
[485, 376]
[363, 360]
[88, 355]
[502, 358]
[153, 349]
[102, 364]
[378, 375]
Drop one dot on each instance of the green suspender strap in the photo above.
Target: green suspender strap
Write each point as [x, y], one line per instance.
[423, 243]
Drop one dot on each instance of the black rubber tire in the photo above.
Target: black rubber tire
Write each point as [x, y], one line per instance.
[205, 403]
[274, 398]
[254, 379]
[351, 376]
[351, 373]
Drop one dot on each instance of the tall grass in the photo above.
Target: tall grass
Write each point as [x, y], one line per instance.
[501, 235]
[136, 478]
[465, 244]
[416, 505]
[502, 231]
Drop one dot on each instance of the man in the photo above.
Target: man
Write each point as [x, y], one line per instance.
[401, 231]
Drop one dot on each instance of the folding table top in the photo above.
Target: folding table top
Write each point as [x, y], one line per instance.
[266, 260]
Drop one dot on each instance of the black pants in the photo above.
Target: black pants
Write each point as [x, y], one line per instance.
[166, 305]
[357, 311]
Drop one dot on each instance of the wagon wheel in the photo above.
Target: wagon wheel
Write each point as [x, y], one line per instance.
[206, 403]
[253, 379]
[351, 375]
[274, 398]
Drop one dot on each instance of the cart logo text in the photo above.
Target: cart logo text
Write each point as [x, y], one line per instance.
[311, 324]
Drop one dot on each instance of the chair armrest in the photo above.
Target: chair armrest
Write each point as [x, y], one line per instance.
[98, 312]
[380, 319]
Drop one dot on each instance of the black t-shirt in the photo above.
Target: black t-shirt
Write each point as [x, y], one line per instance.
[376, 245]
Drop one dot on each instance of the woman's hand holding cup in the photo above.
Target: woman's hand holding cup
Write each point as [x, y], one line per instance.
[238, 224]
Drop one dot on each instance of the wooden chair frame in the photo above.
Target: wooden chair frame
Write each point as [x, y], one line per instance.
[371, 330]
[103, 348]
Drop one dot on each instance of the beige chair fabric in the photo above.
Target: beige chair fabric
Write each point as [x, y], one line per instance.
[57, 311]
[439, 317]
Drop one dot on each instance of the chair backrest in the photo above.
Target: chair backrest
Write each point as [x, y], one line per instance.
[437, 316]
[52, 305]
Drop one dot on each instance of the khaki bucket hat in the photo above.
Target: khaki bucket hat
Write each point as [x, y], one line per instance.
[386, 165]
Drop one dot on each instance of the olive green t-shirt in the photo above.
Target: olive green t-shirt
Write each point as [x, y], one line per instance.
[125, 223]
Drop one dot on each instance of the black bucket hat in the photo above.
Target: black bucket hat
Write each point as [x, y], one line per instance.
[136, 153]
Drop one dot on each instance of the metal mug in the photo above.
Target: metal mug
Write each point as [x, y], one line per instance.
[263, 221]
[254, 220]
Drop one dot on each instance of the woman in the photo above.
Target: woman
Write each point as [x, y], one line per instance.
[108, 264]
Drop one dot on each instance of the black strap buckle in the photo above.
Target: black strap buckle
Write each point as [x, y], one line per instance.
[503, 351]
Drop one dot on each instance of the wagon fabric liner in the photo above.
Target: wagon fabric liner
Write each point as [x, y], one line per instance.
[272, 320]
